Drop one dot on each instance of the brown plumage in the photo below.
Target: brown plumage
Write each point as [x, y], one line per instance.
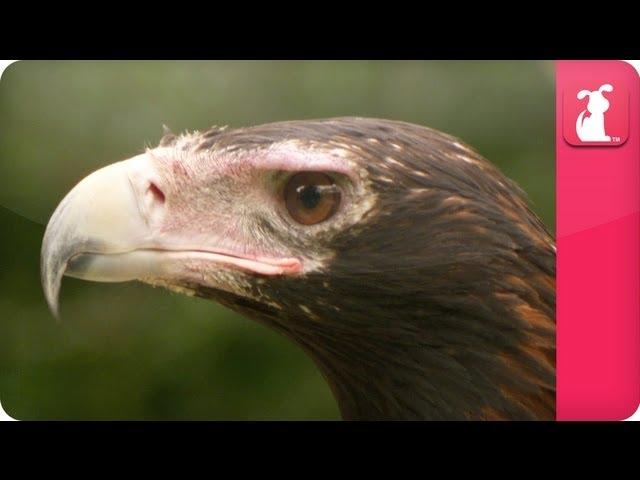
[429, 295]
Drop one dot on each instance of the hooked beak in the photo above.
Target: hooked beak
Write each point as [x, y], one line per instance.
[106, 230]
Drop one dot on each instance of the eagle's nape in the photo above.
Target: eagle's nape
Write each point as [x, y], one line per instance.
[407, 266]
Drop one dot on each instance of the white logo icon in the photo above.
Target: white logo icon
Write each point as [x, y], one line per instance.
[591, 128]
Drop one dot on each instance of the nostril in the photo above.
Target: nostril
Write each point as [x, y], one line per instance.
[155, 192]
[154, 200]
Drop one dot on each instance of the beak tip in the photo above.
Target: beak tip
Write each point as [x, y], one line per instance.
[55, 312]
[51, 271]
[52, 302]
[51, 288]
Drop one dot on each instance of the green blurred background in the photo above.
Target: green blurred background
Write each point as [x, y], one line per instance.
[129, 351]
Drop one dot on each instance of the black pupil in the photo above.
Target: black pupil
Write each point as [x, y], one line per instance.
[310, 196]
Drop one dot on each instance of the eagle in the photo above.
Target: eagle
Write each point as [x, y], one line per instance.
[409, 268]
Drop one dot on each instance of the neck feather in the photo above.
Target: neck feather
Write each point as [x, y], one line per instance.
[415, 376]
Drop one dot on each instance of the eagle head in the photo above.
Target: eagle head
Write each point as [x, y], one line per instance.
[408, 267]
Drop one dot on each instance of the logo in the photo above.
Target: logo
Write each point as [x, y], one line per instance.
[597, 117]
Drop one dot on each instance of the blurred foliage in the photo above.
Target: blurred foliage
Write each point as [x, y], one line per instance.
[128, 351]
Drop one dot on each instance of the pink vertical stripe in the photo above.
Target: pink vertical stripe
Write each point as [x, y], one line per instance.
[598, 232]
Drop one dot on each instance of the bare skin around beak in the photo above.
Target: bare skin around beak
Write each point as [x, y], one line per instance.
[109, 229]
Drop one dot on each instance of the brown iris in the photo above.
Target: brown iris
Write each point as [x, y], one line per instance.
[311, 197]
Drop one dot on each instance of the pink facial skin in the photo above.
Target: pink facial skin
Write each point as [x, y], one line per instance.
[200, 211]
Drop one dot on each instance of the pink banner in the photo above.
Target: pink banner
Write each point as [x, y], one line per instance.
[598, 239]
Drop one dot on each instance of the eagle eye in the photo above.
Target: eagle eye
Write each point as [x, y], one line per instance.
[311, 197]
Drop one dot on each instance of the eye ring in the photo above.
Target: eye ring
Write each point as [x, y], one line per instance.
[311, 197]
